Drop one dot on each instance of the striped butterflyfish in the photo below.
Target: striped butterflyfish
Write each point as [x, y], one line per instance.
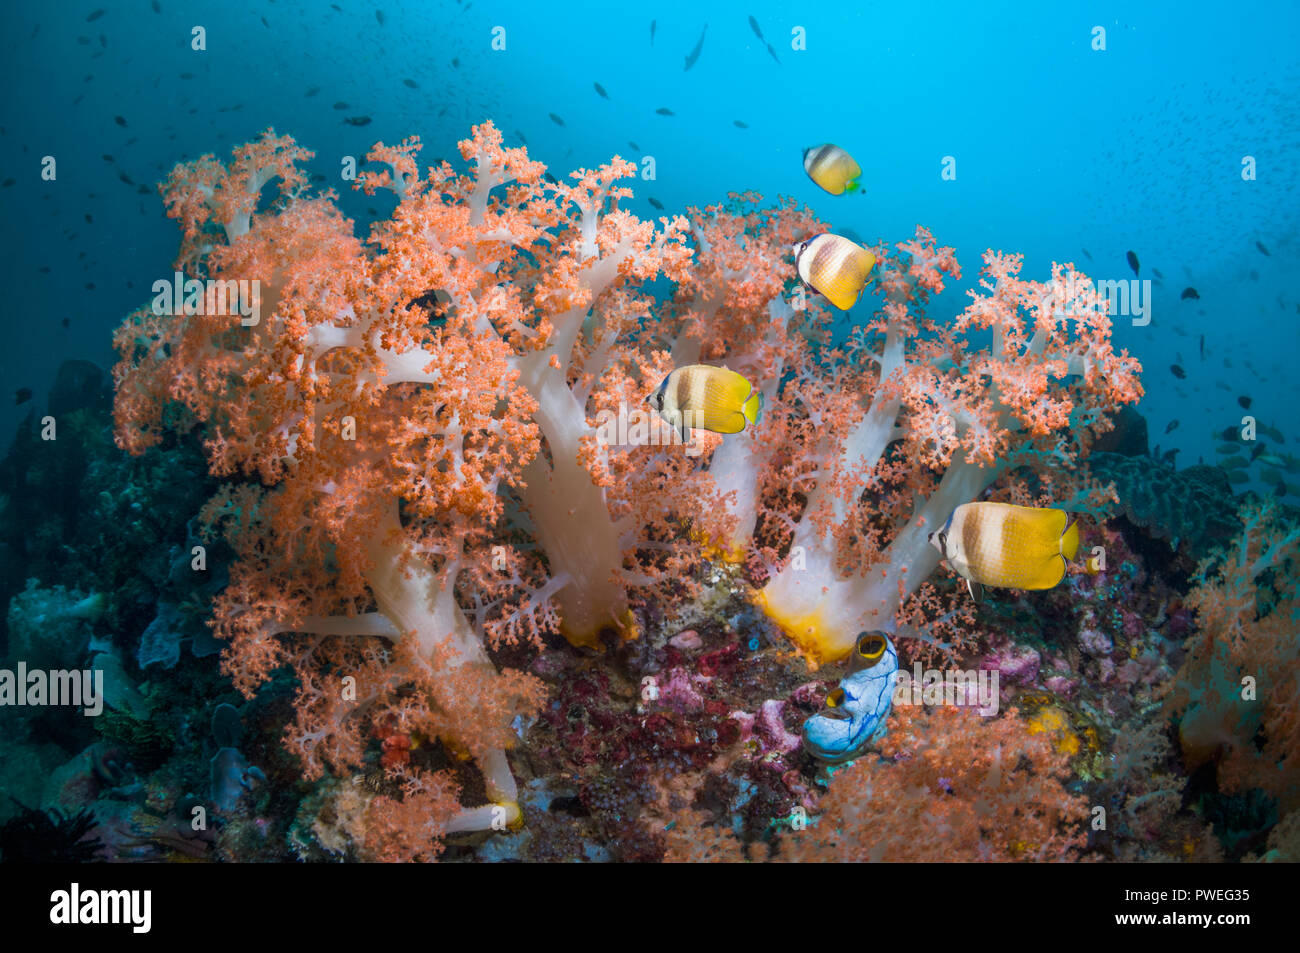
[1007, 546]
[707, 397]
[834, 267]
[832, 168]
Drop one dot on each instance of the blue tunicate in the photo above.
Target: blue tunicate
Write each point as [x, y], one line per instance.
[862, 702]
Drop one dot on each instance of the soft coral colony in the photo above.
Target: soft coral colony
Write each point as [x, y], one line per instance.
[425, 411]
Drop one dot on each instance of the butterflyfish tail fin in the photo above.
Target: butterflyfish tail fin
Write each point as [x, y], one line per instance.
[1070, 540]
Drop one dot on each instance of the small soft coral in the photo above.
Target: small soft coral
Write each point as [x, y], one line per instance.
[952, 786]
[1238, 691]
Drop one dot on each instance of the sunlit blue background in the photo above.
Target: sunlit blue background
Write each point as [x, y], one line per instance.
[1058, 148]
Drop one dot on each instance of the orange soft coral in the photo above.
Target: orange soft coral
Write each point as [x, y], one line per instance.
[952, 786]
[410, 828]
[920, 420]
[1238, 692]
[384, 438]
[551, 272]
[731, 310]
[419, 409]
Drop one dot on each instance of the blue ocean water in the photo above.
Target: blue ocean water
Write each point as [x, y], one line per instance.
[1062, 151]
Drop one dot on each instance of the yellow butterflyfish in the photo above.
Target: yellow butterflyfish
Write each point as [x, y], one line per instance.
[707, 397]
[832, 168]
[834, 267]
[1007, 546]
